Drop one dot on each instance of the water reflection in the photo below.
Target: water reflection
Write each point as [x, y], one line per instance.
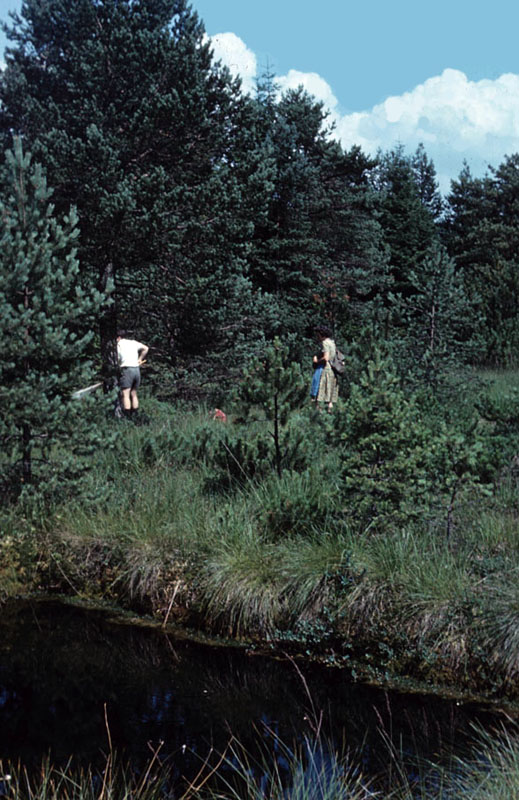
[65, 673]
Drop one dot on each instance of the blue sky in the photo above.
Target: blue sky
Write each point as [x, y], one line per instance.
[444, 73]
[370, 50]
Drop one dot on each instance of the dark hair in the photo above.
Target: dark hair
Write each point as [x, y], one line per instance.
[123, 334]
[323, 330]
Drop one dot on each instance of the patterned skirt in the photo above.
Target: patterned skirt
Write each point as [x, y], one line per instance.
[328, 386]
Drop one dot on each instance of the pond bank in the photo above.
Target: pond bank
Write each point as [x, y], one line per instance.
[367, 639]
[76, 681]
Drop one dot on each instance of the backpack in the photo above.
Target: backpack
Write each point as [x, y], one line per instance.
[337, 362]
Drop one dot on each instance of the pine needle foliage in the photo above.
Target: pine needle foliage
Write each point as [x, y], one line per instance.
[275, 387]
[384, 461]
[47, 437]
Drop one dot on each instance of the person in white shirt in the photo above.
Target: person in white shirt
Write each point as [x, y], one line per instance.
[131, 355]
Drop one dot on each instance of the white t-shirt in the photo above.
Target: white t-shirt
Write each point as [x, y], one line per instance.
[128, 352]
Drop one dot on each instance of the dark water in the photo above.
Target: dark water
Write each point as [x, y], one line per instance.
[65, 673]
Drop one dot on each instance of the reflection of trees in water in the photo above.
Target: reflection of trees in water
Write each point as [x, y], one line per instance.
[60, 665]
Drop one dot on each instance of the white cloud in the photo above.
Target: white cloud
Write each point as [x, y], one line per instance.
[312, 82]
[455, 118]
[234, 54]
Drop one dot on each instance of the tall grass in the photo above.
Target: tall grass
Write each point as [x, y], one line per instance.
[252, 584]
[116, 780]
[499, 381]
[312, 567]
[422, 568]
[240, 584]
[500, 624]
[495, 531]
[313, 769]
[418, 583]
[494, 773]
[159, 507]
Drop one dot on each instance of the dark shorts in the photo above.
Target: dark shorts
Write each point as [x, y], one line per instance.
[130, 378]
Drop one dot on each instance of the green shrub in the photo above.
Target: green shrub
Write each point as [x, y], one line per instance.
[385, 452]
[235, 453]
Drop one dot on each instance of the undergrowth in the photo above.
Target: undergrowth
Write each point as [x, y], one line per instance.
[281, 559]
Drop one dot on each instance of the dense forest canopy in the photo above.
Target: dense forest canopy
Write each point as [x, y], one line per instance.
[212, 222]
[222, 219]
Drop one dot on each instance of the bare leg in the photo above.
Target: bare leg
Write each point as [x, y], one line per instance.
[125, 394]
[134, 399]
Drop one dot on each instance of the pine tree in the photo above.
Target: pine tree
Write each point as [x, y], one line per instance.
[140, 130]
[317, 249]
[426, 182]
[503, 275]
[268, 437]
[285, 254]
[466, 203]
[276, 388]
[354, 270]
[439, 326]
[481, 234]
[404, 459]
[46, 331]
[385, 454]
[406, 219]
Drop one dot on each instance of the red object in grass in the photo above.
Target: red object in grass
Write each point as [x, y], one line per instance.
[218, 414]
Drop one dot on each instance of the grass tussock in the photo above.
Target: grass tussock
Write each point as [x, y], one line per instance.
[311, 770]
[500, 622]
[494, 773]
[240, 585]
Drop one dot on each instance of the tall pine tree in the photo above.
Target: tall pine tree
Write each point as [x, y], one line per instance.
[481, 234]
[317, 249]
[405, 215]
[441, 325]
[121, 101]
[46, 330]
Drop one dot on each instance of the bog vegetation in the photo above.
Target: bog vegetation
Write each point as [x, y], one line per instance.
[141, 189]
[313, 768]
